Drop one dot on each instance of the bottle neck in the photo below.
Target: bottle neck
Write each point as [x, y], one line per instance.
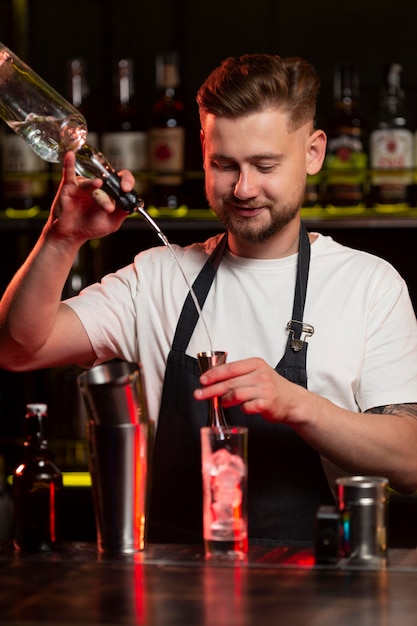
[124, 88]
[34, 433]
[393, 99]
[346, 89]
[78, 91]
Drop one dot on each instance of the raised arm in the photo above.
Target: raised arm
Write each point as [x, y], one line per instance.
[36, 329]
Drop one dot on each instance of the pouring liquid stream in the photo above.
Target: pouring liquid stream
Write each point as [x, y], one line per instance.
[140, 209]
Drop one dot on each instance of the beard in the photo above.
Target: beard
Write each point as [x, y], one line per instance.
[255, 229]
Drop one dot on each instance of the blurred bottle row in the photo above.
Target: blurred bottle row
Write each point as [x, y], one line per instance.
[152, 146]
[369, 163]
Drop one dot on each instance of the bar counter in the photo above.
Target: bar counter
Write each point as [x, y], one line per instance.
[170, 585]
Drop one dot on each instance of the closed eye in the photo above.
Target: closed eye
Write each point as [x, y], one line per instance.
[224, 166]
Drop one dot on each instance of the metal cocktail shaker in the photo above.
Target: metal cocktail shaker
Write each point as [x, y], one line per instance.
[119, 439]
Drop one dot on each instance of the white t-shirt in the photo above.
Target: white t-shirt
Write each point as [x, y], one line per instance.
[363, 352]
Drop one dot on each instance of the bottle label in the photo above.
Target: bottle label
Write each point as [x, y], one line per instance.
[92, 139]
[166, 153]
[19, 158]
[391, 159]
[25, 175]
[126, 150]
[345, 170]
[391, 149]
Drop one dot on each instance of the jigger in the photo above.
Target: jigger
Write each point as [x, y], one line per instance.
[207, 360]
[118, 438]
[211, 358]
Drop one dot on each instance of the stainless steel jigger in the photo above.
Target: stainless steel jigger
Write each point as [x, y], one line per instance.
[362, 502]
[118, 437]
[209, 359]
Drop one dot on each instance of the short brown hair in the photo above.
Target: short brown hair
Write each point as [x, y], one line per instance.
[253, 82]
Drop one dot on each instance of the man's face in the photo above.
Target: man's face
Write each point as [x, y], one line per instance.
[255, 171]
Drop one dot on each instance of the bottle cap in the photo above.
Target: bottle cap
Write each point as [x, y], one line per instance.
[37, 407]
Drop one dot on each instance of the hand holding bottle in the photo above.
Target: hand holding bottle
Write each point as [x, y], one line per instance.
[82, 210]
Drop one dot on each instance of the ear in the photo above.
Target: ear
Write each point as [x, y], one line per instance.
[202, 142]
[316, 151]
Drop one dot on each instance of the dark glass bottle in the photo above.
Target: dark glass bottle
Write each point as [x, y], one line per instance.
[79, 95]
[37, 489]
[166, 137]
[346, 158]
[124, 138]
[391, 147]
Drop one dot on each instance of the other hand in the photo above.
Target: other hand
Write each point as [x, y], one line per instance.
[255, 386]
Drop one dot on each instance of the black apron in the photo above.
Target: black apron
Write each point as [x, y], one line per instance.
[286, 481]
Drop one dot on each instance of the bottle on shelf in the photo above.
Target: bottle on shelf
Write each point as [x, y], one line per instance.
[166, 137]
[391, 148]
[345, 165]
[78, 93]
[124, 138]
[24, 178]
[37, 489]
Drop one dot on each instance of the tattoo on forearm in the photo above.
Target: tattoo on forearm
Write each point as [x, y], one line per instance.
[395, 409]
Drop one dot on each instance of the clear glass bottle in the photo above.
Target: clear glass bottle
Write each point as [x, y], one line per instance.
[37, 489]
[391, 148]
[124, 139]
[51, 126]
[345, 165]
[166, 137]
[207, 360]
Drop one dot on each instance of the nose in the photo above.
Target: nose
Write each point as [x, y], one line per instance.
[246, 185]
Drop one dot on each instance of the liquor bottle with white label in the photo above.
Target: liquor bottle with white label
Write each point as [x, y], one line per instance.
[124, 140]
[346, 158]
[391, 148]
[166, 137]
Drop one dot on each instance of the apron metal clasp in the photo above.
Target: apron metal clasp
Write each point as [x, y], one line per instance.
[307, 329]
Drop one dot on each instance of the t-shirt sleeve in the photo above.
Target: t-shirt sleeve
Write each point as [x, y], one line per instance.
[389, 373]
[107, 312]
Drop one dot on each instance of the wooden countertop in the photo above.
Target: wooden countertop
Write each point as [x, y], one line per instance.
[175, 586]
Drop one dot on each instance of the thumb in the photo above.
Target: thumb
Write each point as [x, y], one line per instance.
[68, 170]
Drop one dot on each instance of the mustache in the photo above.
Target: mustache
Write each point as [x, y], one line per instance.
[248, 204]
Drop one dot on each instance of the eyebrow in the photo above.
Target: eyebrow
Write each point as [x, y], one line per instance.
[271, 156]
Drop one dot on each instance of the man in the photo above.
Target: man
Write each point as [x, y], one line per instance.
[349, 406]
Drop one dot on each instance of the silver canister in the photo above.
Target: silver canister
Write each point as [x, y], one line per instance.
[362, 503]
[119, 440]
